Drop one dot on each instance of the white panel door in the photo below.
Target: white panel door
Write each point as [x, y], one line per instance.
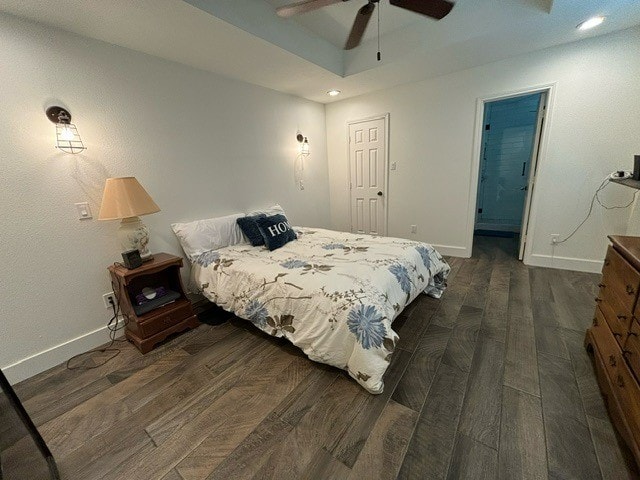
[368, 177]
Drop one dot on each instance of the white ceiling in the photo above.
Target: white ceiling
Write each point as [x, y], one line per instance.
[246, 40]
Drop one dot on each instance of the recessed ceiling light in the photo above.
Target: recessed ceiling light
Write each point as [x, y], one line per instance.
[333, 93]
[592, 22]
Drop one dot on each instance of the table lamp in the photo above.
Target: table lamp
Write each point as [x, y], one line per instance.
[124, 198]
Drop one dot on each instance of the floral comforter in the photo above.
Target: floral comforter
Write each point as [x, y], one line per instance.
[333, 294]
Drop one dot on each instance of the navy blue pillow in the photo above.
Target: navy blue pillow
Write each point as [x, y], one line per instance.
[250, 228]
[275, 231]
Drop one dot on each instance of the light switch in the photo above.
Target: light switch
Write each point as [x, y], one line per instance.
[393, 165]
[84, 211]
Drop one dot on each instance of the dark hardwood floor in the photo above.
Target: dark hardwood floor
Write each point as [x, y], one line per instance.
[491, 381]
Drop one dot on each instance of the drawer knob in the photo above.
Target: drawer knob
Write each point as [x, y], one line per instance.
[617, 334]
[601, 285]
[607, 263]
[621, 317]
[595, 321]
[620, 381]
[612, 360]
[630, 290]
[598, 299]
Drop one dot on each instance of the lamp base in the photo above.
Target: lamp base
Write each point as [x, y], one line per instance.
[133, 234]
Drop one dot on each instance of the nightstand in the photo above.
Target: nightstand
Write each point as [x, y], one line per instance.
[147, 329]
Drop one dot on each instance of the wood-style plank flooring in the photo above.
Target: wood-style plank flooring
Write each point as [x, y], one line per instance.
[491, 381]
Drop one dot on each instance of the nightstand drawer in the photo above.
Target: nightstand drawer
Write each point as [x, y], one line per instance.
[620, 278]
[166, 319]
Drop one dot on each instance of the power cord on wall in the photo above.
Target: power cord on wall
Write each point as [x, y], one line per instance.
[596, 198]
[113, 327]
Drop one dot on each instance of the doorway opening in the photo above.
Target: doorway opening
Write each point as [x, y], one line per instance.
[511, 137]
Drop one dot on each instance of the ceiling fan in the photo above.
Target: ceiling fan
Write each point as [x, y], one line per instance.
[437, 9]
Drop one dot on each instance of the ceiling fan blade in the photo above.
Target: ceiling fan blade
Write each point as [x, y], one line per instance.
[437, 9]
[304, 7]
[359, 26]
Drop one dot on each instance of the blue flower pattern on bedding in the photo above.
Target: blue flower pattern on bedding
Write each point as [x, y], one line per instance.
[367, 325]
[402, 276]
[424, 253]
[207, 258]
[293, 263]
[257, 313]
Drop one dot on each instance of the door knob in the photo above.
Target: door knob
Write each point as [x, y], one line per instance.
[379, 194]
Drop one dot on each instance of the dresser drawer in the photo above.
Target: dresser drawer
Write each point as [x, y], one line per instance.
[606, 344]
[620, 278]
[631, 349]
[166, 319]
[627, 391]
[618, 318]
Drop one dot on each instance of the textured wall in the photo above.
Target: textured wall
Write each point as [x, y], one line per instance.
[202, 146]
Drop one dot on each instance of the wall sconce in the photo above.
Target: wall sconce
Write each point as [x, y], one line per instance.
[304, 145]
[303, 152]
[67, 137]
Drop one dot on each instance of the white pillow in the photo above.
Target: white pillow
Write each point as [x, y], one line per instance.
[275, 210]
[203, 236]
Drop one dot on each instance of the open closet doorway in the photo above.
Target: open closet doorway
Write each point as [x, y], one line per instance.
[511, 136]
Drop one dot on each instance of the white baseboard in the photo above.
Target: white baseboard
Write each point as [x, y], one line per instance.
[565, 263]
[41, 361]
[452, 251]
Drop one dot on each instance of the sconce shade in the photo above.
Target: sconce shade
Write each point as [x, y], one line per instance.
[123, 198]
[67, 137]
[304, 147]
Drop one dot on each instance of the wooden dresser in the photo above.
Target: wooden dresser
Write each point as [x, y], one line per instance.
[614, 337]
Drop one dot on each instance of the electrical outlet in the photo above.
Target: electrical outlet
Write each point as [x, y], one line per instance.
[554, 238]
[109, 299]
[414, 229]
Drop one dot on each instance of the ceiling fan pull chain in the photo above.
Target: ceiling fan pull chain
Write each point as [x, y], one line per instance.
[379, 56]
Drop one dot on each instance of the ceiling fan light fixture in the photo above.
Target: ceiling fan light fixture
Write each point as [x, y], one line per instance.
[591, 23]
[333, 93]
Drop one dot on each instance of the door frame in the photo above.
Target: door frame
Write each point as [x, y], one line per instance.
[385, 118]
[550, 89]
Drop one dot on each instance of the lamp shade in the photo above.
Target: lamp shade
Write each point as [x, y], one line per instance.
[123, 198]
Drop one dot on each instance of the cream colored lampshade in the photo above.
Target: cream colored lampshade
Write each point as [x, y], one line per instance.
[123, 198]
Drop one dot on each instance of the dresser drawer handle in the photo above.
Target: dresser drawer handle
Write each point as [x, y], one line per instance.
[612, 360]
[601, 285]
[617, 334]
[620, 381]
[607, 263]
[598, 299]
[630, 290]
[621, 317]
[595, 321]
[632, 334]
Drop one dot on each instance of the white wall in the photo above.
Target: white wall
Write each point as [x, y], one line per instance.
[202, 146]
[594, 129]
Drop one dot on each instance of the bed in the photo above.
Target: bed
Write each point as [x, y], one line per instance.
[332, 294]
